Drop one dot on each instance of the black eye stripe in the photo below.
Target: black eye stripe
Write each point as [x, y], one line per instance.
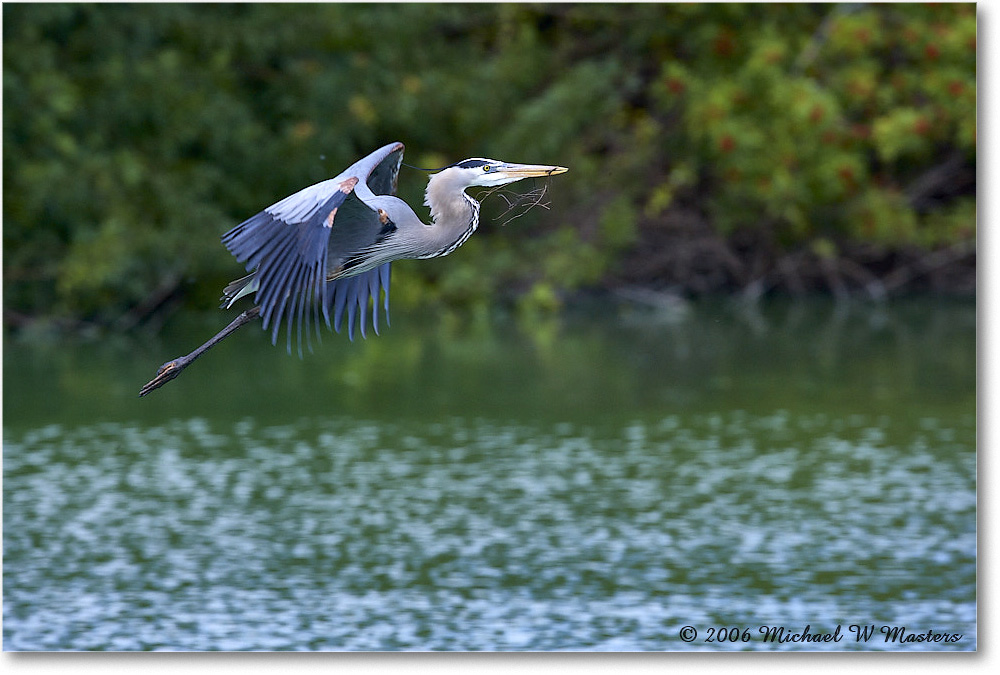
[472, 163]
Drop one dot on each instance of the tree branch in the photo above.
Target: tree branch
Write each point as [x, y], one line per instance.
[928, 263]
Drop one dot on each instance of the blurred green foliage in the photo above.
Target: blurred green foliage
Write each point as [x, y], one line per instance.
[135, 135]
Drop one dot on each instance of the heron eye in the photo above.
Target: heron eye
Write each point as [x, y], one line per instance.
[487, 168]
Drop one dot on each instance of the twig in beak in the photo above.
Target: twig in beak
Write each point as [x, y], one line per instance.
[518, 204]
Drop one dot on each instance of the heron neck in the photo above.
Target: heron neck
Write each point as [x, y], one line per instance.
[449, 204]
[454, 214]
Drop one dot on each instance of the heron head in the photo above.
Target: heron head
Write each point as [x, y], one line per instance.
[492, 172]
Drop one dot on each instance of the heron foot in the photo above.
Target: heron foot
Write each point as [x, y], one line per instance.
[167, 372]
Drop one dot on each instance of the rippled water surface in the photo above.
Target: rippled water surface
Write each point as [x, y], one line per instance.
[594, 484]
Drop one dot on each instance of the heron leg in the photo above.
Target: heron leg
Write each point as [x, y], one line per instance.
[172, 369]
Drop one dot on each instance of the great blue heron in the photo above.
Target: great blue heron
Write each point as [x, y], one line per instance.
[328, 248]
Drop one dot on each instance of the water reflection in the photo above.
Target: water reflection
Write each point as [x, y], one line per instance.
[532, 519]
[915, 359]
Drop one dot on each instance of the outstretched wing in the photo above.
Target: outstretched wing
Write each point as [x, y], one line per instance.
[291, 245]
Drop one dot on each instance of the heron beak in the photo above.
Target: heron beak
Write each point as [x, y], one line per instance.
[519, 171]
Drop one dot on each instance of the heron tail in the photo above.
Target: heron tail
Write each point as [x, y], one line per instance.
[237, 289]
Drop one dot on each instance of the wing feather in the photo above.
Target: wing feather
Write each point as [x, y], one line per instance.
[373, 288]
[384, 274]
[352, 304]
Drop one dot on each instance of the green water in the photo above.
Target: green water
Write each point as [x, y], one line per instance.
[596, 482]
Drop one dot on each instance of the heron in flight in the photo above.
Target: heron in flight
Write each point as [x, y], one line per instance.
[327, 249]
